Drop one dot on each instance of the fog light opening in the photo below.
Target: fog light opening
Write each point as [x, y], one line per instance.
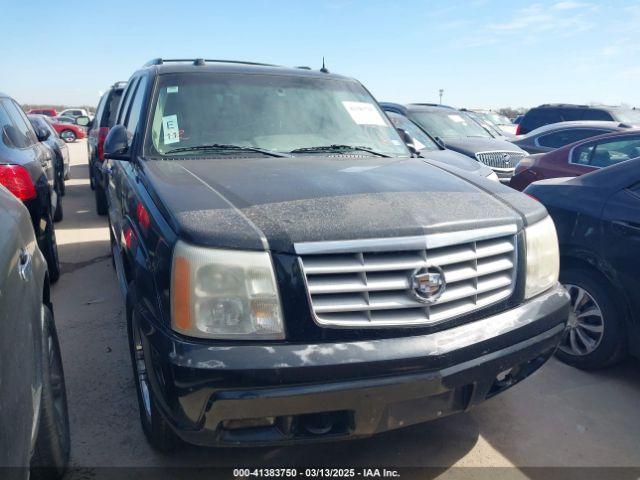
[240, 424]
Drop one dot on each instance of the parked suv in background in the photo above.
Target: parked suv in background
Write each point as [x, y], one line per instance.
[98, 130]
[460, 133]
[293, 273]
[561, 112]
[33, 401]
[27, 170]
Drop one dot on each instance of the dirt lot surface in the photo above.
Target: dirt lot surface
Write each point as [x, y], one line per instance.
[559, 417]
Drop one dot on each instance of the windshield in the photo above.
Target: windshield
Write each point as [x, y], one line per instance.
[420, 139]
[630, 116]
[269, 112]
[445, 123]
[496, 118]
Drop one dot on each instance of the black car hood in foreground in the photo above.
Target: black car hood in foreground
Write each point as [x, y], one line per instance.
[471, 145]
[272, 203]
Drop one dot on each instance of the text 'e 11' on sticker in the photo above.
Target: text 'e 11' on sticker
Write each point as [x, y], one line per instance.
[170, 129]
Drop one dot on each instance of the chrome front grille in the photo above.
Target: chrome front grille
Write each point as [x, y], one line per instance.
[367, 283]
[500, 160]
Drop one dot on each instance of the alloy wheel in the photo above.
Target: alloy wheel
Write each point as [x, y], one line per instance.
[586, 323]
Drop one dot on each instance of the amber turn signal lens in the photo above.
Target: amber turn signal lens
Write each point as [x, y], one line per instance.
[180, 290]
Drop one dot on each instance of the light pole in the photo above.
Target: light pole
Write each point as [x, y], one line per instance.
[441, 91]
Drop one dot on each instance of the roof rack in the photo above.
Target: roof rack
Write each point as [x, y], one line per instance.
[201, 61]
[431, 105]
[563, 105]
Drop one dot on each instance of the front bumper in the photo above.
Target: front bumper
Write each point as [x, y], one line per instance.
[257, 394]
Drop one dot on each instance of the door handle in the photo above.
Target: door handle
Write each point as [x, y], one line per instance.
[24, 266]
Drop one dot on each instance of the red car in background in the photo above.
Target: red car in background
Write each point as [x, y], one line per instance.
[49, 112]
[68, 131]
[577, 158]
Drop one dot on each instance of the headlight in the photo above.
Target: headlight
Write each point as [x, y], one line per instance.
[224, 294]
[543, 257]
[493, 176]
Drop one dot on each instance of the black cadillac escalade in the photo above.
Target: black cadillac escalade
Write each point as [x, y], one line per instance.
[294, 273]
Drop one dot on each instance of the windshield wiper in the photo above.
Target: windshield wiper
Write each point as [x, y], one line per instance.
[338, 148]
[227, 147]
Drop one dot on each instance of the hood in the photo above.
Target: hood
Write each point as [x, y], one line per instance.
[273, 203]
[457, 160]
[471, 145]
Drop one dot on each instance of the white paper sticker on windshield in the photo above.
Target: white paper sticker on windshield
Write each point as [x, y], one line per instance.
[456, 118]
[364, 113]
[170, 129]
[172, 89]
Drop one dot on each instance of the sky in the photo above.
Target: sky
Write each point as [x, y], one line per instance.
[482, 53]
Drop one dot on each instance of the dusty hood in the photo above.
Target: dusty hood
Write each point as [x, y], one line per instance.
[272, 203]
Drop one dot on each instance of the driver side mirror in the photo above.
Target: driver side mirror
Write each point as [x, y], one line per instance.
[116, 145]
[408, 140]
[42, 134]
[83, 121]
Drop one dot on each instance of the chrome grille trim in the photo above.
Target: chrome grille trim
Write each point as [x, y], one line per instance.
[366, 283]
[503, 160]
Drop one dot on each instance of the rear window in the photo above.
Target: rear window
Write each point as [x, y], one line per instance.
[111, 109]
[537, 117]
[629, 116]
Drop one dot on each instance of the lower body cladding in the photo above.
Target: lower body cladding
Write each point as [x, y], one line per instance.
[250, 394]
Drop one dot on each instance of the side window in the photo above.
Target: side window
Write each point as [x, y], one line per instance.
[136, 107]
[100, 109]
[594, 114]
[565, 137]
[612, 152]
[20, 133]
[7, 128]
[582, 154]
[126, 100]
[570, 114]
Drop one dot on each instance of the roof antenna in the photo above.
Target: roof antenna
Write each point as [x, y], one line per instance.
[324, 69]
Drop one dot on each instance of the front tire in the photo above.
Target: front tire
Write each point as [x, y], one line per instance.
[157, 430]
[53, 442]
[68, 136]
[596, 334]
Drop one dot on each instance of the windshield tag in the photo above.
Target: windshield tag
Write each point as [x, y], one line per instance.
[172, 89]
[364, 113]
[170, 129]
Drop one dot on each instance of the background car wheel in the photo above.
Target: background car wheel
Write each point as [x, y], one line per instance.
[68, 136]
[595, 336]
[50, 251]
[157, 430]
[53, 443]
[101, 200]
